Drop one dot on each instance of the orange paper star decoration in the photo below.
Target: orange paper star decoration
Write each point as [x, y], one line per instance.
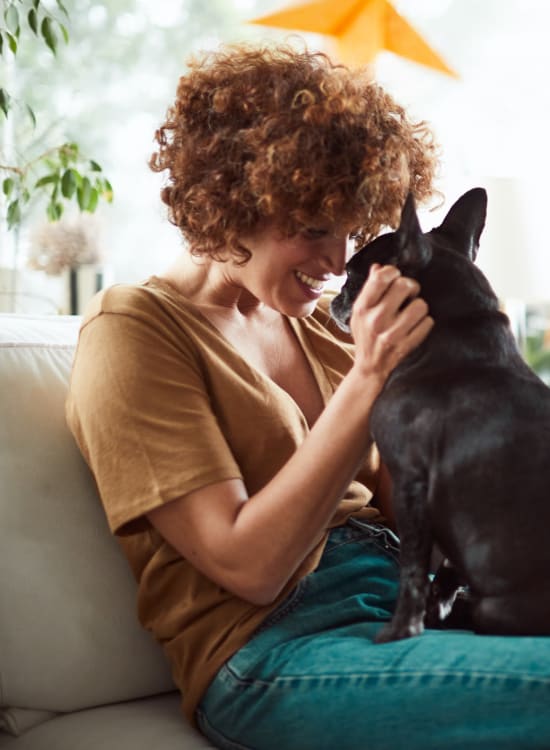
[360, 28]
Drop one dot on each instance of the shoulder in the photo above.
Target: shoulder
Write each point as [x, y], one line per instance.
[142, 320]
[127, 299]
[150, 304]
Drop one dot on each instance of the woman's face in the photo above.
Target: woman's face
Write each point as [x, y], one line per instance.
[289, 274]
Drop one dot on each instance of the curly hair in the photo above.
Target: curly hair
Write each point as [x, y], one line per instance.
[273, 133]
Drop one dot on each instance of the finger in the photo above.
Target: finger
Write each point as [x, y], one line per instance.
[417, 335]
[410, 316]
[378, 281]
[410, 329]
[402, 322]
[386, 283]
[402, 291]
[383, 314]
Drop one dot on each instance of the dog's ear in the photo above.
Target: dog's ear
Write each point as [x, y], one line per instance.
[465, 221]
[414, 252]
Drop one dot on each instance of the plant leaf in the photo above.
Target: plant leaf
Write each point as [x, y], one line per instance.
[64, 32]
[94, 166]
[68, 184]
[32, 20]
[31, 114]
[92, 203]
[4, 101]
[12, 42]
[83, 194]
[108, 192]
[11, 16]
[47, 180]
[68, 152]
[48, 33]
[62, 8]
[14, 214]
[7, 186]
[51, 211]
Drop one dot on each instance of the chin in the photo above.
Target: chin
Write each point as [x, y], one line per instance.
[304, 309]
[294, 308]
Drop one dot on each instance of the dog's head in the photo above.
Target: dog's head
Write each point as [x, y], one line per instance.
[441, 260]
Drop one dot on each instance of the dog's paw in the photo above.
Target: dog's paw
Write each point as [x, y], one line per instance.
[398, 631]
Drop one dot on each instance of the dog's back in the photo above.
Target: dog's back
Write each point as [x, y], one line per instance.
[464, 427]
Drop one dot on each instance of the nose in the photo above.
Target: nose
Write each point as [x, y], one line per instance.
[336, 253]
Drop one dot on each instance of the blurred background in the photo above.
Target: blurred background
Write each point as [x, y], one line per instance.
[108, 89]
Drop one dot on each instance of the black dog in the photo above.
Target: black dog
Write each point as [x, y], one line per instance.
[463, 425]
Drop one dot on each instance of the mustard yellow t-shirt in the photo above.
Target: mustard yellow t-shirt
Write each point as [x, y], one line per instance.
[161, 404]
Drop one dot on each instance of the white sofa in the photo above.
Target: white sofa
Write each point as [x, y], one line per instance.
[76, 670]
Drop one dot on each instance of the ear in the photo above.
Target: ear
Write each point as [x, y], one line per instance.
[414, 251]
[465, 221]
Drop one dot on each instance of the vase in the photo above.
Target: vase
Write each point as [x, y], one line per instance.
[82, 283]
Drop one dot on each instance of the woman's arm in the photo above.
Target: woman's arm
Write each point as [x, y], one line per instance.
[252, 545]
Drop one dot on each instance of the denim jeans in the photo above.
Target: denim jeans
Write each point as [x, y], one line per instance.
[311, 678]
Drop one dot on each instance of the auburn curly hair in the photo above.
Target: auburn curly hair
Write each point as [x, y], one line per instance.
[275, 133]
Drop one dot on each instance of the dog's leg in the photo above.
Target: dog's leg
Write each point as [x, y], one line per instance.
[411, 507]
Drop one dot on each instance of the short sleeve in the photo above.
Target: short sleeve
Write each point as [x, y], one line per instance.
[140, 411]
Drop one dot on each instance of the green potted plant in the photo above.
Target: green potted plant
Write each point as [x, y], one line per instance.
[35, 174]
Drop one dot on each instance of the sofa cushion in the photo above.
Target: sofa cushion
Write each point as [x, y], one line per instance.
[148, 724]
[69, 636]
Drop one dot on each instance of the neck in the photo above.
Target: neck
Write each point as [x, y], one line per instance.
[210, 285]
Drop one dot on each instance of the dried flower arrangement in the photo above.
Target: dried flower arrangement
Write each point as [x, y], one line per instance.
[65, 244]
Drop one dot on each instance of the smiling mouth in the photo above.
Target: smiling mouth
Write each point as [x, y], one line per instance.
[315, 284]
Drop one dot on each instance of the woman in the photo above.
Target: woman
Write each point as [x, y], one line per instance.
[226, 421]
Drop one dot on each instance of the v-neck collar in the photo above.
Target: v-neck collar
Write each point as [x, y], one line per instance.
[319, 372]
[297, 325]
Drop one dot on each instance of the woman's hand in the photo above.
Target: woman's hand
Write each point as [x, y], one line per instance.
[388, 321]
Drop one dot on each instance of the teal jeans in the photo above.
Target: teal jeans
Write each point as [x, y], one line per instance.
[311, 678]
